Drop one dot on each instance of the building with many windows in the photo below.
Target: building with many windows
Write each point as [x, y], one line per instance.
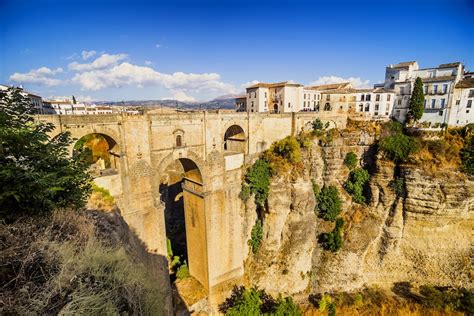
[462, 111]
[281, 97]
[438, 87]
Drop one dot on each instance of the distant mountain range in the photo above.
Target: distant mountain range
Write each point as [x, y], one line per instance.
[223, 102]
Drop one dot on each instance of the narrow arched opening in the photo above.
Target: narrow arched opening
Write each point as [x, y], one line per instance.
[100, 151]
[234, 139]
[181, 193]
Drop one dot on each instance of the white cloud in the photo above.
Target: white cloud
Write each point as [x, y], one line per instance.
[79, 98]
[147, 62]
[104, 61]
[181, 96]
[71, 57]
[158, 45]
[248, 84]
[356, 82]
[88, 54]
[40, 76]
[126, 74]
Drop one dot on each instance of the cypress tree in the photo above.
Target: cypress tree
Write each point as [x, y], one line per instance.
[73, 100]
[417, 101]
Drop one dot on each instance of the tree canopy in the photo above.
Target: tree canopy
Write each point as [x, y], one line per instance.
[417, 101]
[37, 173]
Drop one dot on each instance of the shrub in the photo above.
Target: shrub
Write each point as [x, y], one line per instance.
[318, 125]
[324, 302]
[316, 188]
[252, 301]
[351, 160]
[398, 186]
[288, 148]
[447, 299]
[399, 147]
[332, 241]
[305, 140]
[329, 203]
[244, 192]
[332, 309]
[36, 172]
[467, 156]
[358, 300]
[258, 179]
[183, 271]
[256, 238]
[356, 183]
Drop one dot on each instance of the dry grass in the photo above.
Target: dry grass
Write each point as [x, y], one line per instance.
[58, 264]
[101, 199]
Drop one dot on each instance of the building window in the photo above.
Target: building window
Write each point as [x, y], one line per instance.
[376, 107]
[252, 103]
[402, 90]
[399, 102]
[458, 102]
[377, 97]
[361, 107]
[442, 103]
[467, 111]
[328, 98]
[469, 104]
[362, 97]
[388, 97]
[397, 113]
[327, 107]
[376, 113]
[440, 113]
[445, 88]
[367, 97]
[433, 103]
[425, 89]
[471, 94]
[367, 107]
[179, 141]
[265, 95]
[435, 88]
[305, 96]
[425, 103]
[289, 104]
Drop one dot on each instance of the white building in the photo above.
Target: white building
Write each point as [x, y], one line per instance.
[438, 85]
[376, 103]
[282, 97]
[36, 100]
[462, 111]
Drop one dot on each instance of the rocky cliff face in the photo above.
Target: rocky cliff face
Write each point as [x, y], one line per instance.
[423, 237]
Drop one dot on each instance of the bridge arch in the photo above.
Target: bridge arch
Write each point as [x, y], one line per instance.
[182, 199]
[100, 150]
[235, 139]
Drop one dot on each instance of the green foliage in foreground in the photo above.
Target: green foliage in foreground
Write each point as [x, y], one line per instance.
[256, 238]
[399, 147]
[258, 180]
[448, 299]
[36, 172]
[329, 203]
[356, 183]
[351, 160]
[467, 156]
[252, 301]
[332, 241]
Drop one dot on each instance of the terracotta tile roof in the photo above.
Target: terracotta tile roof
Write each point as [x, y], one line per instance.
[449, 65]
[404, 64]
[332, 86]
[465, 83]
[436, 79]
[274, 85]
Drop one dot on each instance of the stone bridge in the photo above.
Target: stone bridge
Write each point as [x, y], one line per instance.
[207, 152]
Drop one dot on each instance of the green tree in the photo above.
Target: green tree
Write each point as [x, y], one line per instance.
[256, 238]
[417, 101]
[258, 179]
[329, 203]
[351, 160]
[355, 184]
[399, 147]
[467, 156]
[36, 172]
[332, 241]
[74, 100]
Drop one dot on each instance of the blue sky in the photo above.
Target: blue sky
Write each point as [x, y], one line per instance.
[197, 50]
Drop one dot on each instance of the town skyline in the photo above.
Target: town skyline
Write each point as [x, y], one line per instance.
[121, 63]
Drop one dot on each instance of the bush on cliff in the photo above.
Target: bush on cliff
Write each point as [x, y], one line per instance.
[329, 203]
[283, 154]
[332, 241]
[256, 237]
[356, 184]
[258, 180]
[36, 172]
[253, 301]
[351, 160]
[399, 147]
[467, 156]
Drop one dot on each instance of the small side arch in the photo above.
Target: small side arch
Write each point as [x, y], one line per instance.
[235, 139]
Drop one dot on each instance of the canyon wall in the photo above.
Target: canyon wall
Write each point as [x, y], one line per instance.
[422, 237]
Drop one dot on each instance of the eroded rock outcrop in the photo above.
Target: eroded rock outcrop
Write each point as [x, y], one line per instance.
[424, 236]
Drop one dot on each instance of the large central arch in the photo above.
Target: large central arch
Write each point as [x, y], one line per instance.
[181, 193]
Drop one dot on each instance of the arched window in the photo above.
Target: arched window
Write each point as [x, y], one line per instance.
[327, 107]
[179, 141]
